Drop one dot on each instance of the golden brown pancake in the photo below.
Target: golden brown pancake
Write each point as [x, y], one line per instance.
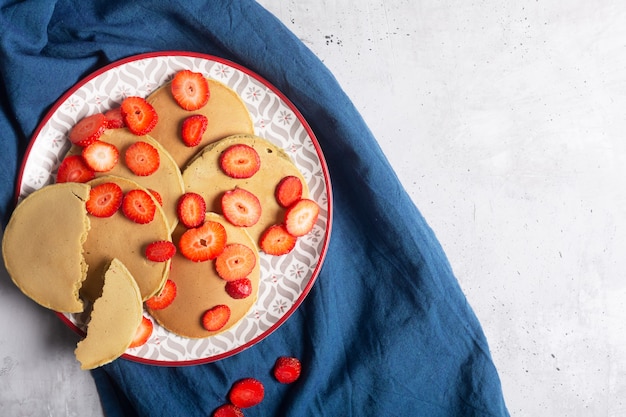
[227, 115]
[114, 319]
[198, 288]
[167, 180]
[121, 238]
[43, 245]
[204, 176]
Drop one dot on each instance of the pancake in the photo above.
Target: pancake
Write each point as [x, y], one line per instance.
[43, 245]
[167, 180]
[121, 238]
[204, 176]
[227, 115]
[198, 288]
[114, 319]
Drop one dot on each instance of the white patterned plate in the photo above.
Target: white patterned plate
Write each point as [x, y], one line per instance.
[285, 280]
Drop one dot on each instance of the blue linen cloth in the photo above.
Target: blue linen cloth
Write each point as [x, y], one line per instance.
[386, 329]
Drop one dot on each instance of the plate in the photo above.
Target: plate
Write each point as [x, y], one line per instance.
[286, 280]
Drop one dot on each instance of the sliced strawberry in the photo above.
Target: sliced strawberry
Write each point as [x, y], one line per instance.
[74, 169]
[241, 207]
[139, 206]
[288, 190]
[190, 89]
[144, 331]
[139, 115]
[203, 243]
[238, 289]
[246, 393]
[88, 129]
[301, 216]
[275, 240]
[193, 128]
[227, 410]
[100, 156]
[287, 369]
[235, 262]
[156, 196]
[164, 298]
[104, 199]
[115, 118]
[142, 158]
[216, 317]
[240, 161]
[191, 209]
[160, 251]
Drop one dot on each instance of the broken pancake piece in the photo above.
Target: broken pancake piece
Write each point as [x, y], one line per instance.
[115, 317]
[43, 245]
[166, 181]
[226, 114]
[204, 176]
[119, 237]
[199, 288]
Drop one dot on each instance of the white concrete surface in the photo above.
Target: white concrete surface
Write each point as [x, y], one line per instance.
[506, 122]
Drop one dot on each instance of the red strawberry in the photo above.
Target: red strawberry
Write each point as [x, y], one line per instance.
[139, 115]
[190, 90]
[104, 199]
[115, 118]
[238, 289]
[144, 331]
[100, 156]
[164, 298]
[240, 161]
[139, 206]
[301, 217]
[156, 196]
[88, 129]
[191, 209]
[235, 262]
[203, 243]
[246, 393]
[160, 251]
[241, 207]
[227, 410]
[287, 369]
[275, 240]
[142, 158]
[193, 128]
[74, 169]
[216, 317]
[288, 190]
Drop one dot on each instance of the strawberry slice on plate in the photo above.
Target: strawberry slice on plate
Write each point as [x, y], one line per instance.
[301, 216]
[115, 118]
[88, 129]
[235, 262]
[190, 90]
[238, 289]
[193, 128]
[246, 392]
[142, 158]
[104, 199]
[143, 333]
[139, 206]
[276, 240]
[74, 169]
[139, 115]
[216, 317]
[240, 161]
[240, 207]
[191, 209]
[164, 298]
[160, 251]
[288, 191]
[100, 156]
[203, 243]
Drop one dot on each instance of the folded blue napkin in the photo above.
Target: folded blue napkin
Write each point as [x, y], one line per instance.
[386, 329]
